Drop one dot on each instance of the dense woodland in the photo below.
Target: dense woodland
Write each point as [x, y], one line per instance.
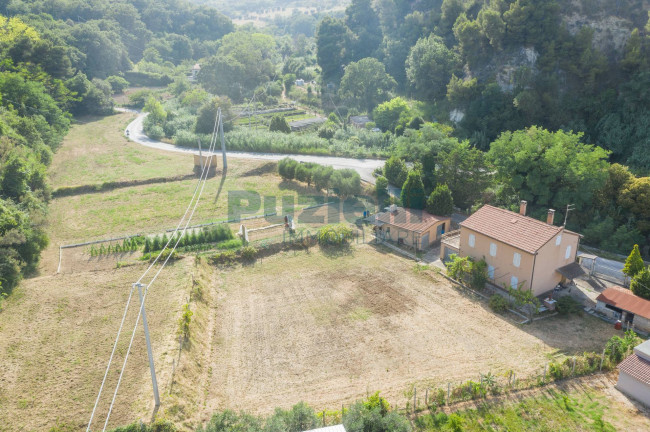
[499, 100]
[63, 59]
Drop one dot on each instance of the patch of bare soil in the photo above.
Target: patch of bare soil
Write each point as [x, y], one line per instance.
[310, 327]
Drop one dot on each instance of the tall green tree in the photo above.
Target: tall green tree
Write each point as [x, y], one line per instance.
[332, 48]
[412, 194]
[429, 67]
[363, 22]
[440, 202]
[640, 284]
[466, 171]
[634, 263]
[243, 62]
[387, 115]
[549, 169]
[395, 171]
[366, 83]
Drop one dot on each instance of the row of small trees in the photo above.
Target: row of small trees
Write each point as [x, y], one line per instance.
[127, 245]
[345, 182]
[213, 234]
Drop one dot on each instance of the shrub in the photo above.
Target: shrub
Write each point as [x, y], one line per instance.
[478, 275]
[567, 305]
[498, 303]
[279, 124]
[304, 173]
[458, 268]
[381, 184]
[170, 254]
[184, 322]
[326, 131]
[248, 253]
[287, 168]
[617, 347]
[640, 284]
[224, 258]
[155, 132]
[440, 202]
[346, 182]
[395, 171]
[230, 244]
[334, 234]
[118, 84]
[137, 99]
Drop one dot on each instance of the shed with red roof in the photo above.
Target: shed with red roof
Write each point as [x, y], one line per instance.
[620, 303]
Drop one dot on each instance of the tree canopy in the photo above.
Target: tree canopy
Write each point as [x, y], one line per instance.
[365, 83]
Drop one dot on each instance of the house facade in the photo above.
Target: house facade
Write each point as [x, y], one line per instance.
[415, 228]
[520, 251]
[621, 304]
[634, 374]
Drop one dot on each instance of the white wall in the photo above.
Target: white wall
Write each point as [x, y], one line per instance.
[633, 388]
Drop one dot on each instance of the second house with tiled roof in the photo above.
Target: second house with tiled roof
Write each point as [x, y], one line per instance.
[520, 251]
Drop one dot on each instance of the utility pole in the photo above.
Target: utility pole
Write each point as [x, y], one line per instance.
[569, 207]
[223, 140]
[154, 382]
[200, 155]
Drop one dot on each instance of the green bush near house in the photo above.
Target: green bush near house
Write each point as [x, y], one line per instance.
[498, 303]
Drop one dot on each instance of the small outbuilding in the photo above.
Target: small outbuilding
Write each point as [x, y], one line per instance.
[203, 161]
[620, 303]
[415, 228]
[634, 374]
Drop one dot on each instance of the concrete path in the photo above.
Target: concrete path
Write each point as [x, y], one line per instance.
[365, 167]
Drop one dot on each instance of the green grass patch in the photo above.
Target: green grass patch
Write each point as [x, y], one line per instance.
[552, 411]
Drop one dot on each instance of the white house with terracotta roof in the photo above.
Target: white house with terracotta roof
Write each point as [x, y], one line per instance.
[519, 250]
[415, 228]
[634, 374]
[622, 304]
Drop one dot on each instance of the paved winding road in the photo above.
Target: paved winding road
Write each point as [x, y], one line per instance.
[364, 167]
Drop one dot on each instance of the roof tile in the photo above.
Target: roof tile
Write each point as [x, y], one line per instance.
[624, 299]
[410, 219]
[637, 368]
[512, 228]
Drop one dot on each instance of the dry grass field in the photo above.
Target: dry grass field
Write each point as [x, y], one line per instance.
[57, 332]
[330, 329]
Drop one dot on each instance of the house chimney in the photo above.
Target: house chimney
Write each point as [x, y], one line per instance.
[522, 208]
[550, 217]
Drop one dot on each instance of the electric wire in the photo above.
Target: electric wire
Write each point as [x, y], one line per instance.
[196, 189]
[128, 351]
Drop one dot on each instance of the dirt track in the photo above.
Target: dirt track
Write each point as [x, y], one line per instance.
[330, 330]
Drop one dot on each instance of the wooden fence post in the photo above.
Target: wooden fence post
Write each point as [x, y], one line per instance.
[415, 392]
[448, 392]
[426, 396]
[602, 358]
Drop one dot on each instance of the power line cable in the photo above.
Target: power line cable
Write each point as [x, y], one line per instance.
[204, 181]
[201, 179]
